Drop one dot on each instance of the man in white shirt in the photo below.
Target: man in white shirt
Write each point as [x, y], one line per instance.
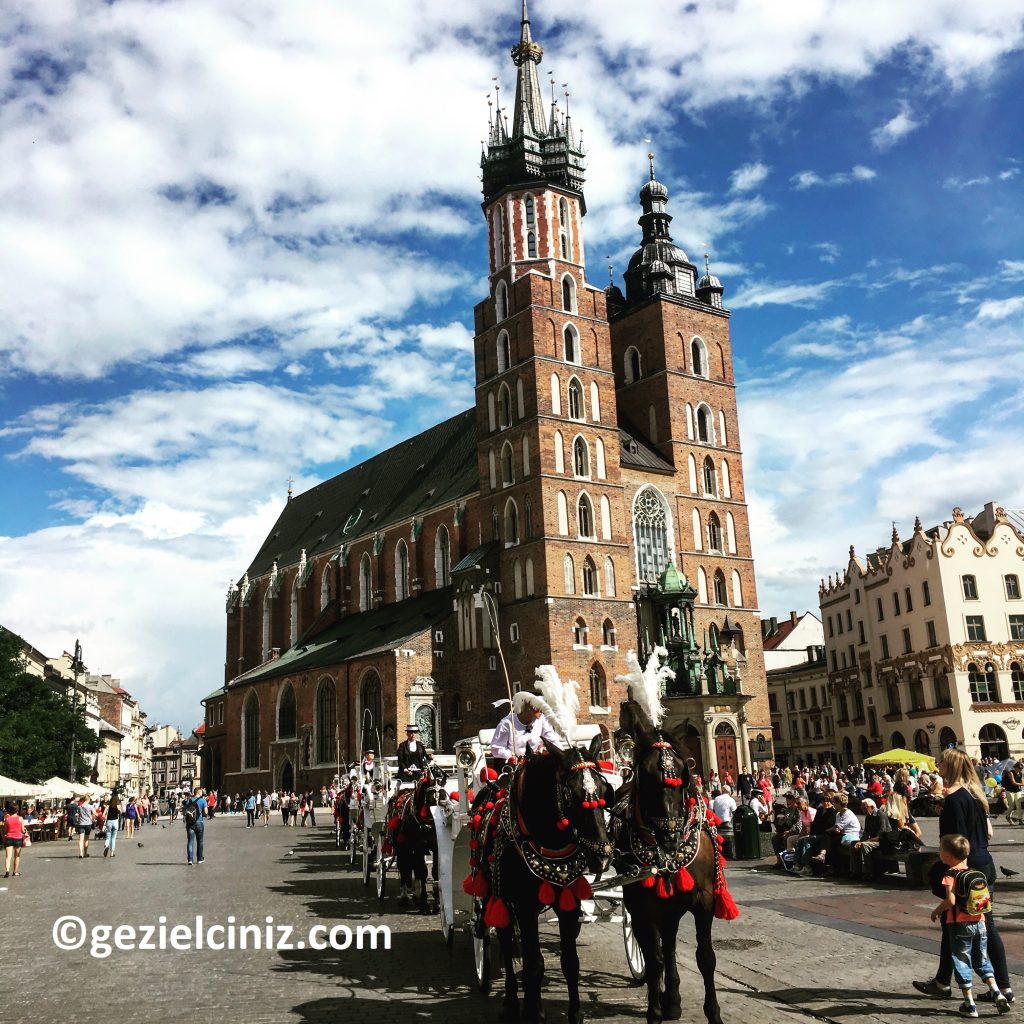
[724, 806]
[523, 724]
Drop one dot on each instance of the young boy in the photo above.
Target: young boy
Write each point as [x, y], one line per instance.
[968, 939]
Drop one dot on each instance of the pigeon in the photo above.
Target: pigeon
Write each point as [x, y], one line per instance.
[140, 846]
[163, 826]
[1007, 872]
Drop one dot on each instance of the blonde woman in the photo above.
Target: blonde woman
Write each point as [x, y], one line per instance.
[965, 813]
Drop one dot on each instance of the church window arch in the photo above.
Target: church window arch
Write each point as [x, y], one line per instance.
[500, 302]
[529, 578]
[633, 366]
[531, 245]
[442, 557]
[714, 532]
[556, 395]
[568, 293]
[504, 407]
[702, 585]
[577, 410]
[580, 457]
[571, 344]
[609, 577]
[401, 571]
[721, 595]
[699, 357]
[564, 240]
[569, 573]
[530, 219]
[705, 424]
[365, 583]
[602, 469]
[286, 713]
[590, 578]
[710, 479]
[504, 349]
[698, 531]
[579, 632]
[508, 470]
[326, 721]
[563, 514]
[730, 533]
[652, 533]
[585, 517]
[737, 589]
[511, 523]
[370, 710]
[606, 518]
[598, 686]
[608, 633]
[559, 452]
[251, 731]
[325, 588]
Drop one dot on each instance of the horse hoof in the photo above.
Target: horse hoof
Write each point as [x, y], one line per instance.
[672, 1010]
[509, 1012]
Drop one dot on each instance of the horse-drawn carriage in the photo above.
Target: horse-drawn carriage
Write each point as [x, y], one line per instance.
[367, 814]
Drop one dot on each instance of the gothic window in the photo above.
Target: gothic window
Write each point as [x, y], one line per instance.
[633, 367]
[698, 542]
[511, 523]
[568, 294]
[590, 586]
[325, 589]
[326, 722]
[501, 252]
[286, 713]
[500, 302]
[585, 517]
[580, 458]
[492, 419]
[721, 596]
[714, 533]
[571, 341]
[569, 568]
[576, 411]
[651, 533]
[579, 632]
[705, 427]
[710, 480]
[365, 584]
[508, 473]
[529, 577]
[609, 577]
[691, 473]
[442, 557]
[293, 624]
[563, 228]
[370, 716]
[528, 519]
[531, 227]
[698, 358]
[504, 407]
[598, 687]
[531, 245]
[266, 625]
[608, 635]
[251, 732]
[401, 571]
[504, 352]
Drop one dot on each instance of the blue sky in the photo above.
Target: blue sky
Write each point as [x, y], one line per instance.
[241, 241]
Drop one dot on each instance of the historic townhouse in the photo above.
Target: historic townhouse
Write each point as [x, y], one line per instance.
[591, 502]
[925, 640]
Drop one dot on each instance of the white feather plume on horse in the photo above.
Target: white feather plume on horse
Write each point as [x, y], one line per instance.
[645, 684]
[558, 701]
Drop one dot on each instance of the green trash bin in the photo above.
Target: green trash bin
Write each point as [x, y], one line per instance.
[746, 835]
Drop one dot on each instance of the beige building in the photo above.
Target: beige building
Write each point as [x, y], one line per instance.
[925, 640]
[803, 727]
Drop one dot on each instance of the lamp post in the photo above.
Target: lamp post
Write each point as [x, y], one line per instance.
[76, 667]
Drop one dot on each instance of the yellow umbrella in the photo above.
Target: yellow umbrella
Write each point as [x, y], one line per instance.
[909, 758]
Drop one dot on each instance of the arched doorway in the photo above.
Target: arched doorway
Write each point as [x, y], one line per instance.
[691, 748]
[725, 750]
[922, 742]
[865, 750]
[898, 742]
[993, 742]
[287, 777]
[947, 739]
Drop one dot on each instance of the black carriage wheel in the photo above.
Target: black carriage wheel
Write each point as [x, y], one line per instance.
[366, 859]
[447, 927]
[382, 869]
[482, 962]
[634, 954]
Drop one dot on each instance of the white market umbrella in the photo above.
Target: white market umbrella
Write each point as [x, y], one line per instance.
[18, 790]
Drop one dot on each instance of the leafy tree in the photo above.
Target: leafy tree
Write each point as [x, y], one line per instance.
[37, 724]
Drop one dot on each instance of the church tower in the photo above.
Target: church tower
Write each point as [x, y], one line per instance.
[545, 398]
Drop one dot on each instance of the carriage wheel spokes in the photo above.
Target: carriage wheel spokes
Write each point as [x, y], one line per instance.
[382, 869]
[481, 950]
[367, 857]
[634, 954]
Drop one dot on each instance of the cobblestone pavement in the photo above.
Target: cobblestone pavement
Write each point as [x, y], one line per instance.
[822, 950]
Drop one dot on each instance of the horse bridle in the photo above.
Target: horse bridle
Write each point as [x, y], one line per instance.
[669, 778]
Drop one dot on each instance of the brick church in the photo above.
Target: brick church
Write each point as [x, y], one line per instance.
[590, 503]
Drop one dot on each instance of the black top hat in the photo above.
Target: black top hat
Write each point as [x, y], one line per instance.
[412, 728]
[368, 751]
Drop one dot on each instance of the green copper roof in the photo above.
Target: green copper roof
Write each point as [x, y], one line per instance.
[672, 581]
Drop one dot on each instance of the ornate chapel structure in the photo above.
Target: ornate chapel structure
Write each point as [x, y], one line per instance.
[590, 503]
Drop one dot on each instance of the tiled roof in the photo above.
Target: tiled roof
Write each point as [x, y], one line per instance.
[476, 556]
[219, 692]
[361, 634]
[785, 628]
[431, 469]
[635, 452]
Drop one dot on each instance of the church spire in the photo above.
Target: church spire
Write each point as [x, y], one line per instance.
[529, 109]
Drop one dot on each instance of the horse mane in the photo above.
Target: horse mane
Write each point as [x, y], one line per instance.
[563, 701]
[645, 684]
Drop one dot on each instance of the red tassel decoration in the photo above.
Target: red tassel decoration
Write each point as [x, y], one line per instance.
[474, 845]
[563, 823]
[648, 882]
[480, 887]
[567, 901]
[423, 812]
[476, 820]
[489, 806]
[496, 915]
[685, 880]
[546, 894]
[581, 889]
[467, 884]
[664, 889]
[725, 906]
[469, 795]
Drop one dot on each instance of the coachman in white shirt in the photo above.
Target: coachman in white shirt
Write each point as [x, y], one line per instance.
[524, 724]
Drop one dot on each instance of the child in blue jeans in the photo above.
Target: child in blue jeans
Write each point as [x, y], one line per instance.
[966, 919]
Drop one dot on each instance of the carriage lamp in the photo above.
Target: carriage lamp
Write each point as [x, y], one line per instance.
[627, 751]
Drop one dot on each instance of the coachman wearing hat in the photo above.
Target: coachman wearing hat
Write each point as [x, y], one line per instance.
[412, 755]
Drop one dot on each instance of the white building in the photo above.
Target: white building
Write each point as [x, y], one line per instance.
[925, 640]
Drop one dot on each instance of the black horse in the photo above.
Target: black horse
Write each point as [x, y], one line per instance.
[531, 846]
[410, 833]
[669, 838]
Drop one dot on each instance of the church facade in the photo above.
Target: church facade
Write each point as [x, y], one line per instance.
[590, 503]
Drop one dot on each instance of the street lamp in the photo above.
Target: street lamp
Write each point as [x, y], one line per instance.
[76, 666]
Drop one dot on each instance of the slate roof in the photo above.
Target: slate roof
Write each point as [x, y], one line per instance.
[635, 452]
[476, 556]
[357, 635]
[434, 468]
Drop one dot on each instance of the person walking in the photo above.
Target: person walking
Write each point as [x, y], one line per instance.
[310, 809]
[193, 812]
[13, 832]
[965, 813]
[131, 815]
[85, 814]
[113, 824]
[265, 810]
[250, 809]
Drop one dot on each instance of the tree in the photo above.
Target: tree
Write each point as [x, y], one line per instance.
[37, 724]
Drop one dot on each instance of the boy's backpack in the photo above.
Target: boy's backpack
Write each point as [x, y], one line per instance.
[190, 813]
[971, 892]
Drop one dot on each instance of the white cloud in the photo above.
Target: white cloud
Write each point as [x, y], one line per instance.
[828, 252]
[766, 293]
[1011, 270]
[748, 177]
[1000, 309]
[895, 129]
[811, 179]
